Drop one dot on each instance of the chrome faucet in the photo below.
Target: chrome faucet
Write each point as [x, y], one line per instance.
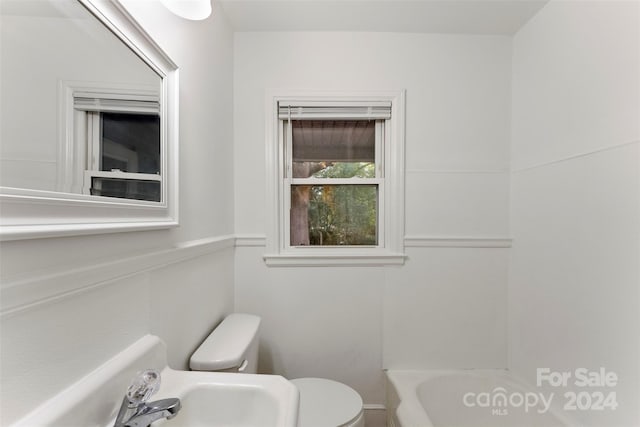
[136, 412]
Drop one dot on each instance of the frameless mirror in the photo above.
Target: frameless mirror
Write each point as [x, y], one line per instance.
[88, 120]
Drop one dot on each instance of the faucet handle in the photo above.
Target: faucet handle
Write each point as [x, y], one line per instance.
[143, 386]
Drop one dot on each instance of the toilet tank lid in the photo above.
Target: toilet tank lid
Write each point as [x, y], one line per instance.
[227, 345]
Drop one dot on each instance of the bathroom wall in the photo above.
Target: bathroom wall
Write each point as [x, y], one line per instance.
[446, 307]
[575, 200]
[69, 304]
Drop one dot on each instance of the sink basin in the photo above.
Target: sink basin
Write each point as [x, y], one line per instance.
[214, 399]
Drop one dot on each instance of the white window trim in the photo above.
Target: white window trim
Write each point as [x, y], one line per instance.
[278, 252]
[28, 214]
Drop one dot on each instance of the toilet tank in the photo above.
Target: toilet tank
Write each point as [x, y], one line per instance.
[231, 347]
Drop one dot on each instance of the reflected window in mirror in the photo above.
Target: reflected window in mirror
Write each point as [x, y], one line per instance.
[122, 142]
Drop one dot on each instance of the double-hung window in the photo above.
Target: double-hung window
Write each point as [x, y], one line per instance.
[120, 138]
[339, 181]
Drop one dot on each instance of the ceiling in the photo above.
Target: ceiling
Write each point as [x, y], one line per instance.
[415, 16]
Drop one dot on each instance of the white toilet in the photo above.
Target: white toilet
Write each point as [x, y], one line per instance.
[233, 347]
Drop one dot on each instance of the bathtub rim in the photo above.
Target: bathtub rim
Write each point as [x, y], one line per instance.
[410, 412]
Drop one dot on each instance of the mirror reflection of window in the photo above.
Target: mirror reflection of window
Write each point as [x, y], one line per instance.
[117, 143]
[128, 153]
[123, 153]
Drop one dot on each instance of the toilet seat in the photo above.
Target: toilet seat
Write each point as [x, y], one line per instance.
[327, 403]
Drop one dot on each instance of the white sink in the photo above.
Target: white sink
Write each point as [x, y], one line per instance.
[229, 400]
[209, 399]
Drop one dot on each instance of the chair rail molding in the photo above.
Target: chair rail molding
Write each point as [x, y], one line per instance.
[424, 241]
[22, 293]
[410, 241]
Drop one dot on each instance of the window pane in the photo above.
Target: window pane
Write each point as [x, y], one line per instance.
[333, 148]
[130, 143]
[334, 215]
[126, 188]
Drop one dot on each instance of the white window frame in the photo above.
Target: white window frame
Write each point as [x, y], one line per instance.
[28, 213]
[390, 179]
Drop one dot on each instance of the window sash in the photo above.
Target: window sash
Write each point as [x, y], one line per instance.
[336, 181]
[130, 177]
[94, 155]
[286, 142]
[379, 199]
[116, 174]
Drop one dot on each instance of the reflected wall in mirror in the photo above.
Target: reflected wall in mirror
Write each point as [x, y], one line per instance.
[80, 110]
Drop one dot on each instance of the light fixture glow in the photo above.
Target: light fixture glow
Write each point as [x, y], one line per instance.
[189, 9]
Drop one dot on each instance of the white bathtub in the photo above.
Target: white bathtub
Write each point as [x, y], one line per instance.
[466, 398]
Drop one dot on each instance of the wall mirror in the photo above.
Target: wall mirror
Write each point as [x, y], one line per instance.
[88, 132]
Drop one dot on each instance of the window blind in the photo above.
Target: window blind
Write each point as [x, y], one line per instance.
[92, 103]
[334, 110]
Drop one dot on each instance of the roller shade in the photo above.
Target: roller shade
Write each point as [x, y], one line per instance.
[380, 110]
[333, 140]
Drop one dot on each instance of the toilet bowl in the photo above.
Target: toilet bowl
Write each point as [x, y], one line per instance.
[325, 403]
[233, 347]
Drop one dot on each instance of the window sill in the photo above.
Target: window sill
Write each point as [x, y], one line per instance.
[349, 259]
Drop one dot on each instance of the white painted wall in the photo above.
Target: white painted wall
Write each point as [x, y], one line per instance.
[575, 198]
[204, 52]
[447, 306]
[72, 303]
